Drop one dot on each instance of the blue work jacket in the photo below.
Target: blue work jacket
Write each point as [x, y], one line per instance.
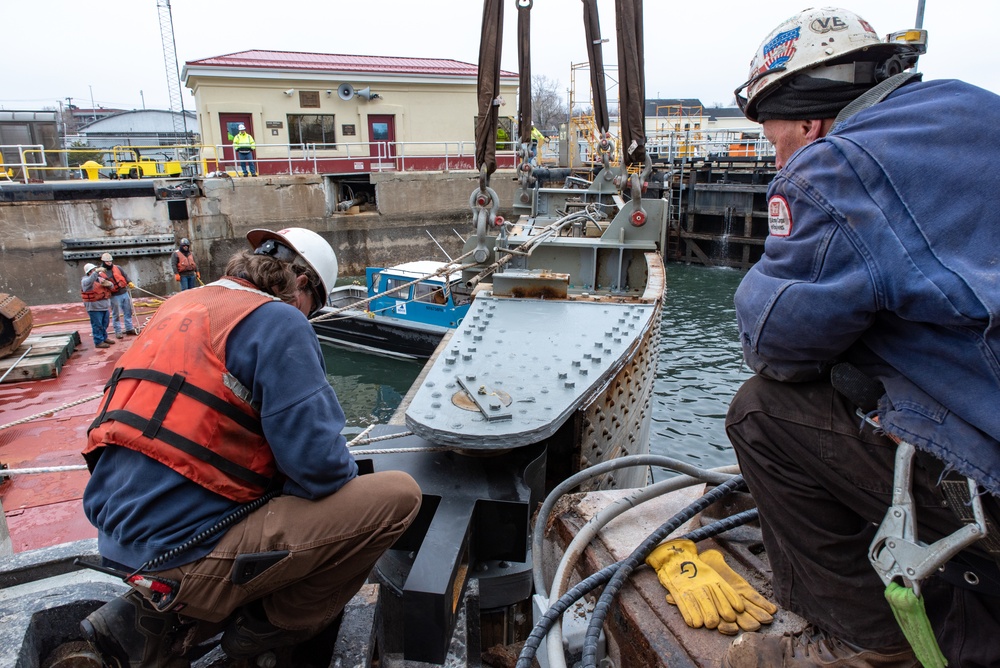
[885, 251]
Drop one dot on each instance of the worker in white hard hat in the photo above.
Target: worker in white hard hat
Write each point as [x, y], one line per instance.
[95, 290]
[226, 408]
[244, 146]
[121, 299]
[878, 291]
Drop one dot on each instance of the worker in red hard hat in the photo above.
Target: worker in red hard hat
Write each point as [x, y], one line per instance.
[225, 411]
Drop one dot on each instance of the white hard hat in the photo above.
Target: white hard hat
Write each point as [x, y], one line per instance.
[106, 257]
[311, 247]
[826, 43]
[241, 127]
[89, 267]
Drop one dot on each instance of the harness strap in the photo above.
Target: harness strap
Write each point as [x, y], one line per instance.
[191, 448]
[187, 389]
[876, 94]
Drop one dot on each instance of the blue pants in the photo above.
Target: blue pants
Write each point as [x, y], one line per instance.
[246, 161]
[188, 281]
[121, 305]
[99, 325]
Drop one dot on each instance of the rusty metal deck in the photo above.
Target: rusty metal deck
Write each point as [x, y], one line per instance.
[45, 509]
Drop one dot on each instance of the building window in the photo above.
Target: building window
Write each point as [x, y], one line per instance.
[312, 129]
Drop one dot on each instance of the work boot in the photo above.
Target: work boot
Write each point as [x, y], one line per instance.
[249, 635]
[129, 632]
[103, 344]
[109, 342]
[811, 647]
[133, 332]
[119, 335]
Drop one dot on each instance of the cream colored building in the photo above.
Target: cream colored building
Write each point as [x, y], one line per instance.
[339, 114]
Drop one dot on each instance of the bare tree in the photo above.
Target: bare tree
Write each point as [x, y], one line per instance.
[548, 108]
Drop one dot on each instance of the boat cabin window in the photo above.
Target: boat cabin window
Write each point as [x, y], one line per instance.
[432, 294]
[390, 283]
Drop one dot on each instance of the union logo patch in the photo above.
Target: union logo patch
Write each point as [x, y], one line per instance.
[779, 218]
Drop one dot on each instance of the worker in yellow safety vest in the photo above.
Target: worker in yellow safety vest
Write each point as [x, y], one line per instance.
[244, 146]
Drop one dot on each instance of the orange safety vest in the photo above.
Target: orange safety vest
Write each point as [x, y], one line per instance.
[117, 278]
[173, 399]
[185, 262]
[96, 293]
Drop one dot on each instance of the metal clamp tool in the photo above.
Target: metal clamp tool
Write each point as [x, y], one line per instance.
[896, 551]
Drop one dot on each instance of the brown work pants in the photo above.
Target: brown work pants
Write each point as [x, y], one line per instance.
[822, 484]
[332, 544]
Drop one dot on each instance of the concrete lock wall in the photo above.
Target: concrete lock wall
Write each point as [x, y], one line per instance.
[409, 205]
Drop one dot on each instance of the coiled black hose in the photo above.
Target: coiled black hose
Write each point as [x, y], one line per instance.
[602, 576]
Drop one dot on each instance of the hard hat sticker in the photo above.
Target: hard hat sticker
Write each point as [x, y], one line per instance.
[779, 218]
[780, 50]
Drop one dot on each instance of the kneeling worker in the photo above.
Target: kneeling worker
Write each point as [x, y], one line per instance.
[224, 405]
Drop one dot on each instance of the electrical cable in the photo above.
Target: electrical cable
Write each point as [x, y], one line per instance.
[637, 557]
[576, 547]
[607, 573]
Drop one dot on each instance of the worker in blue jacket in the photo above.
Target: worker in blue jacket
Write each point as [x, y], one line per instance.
[883, 253]
[218, 463]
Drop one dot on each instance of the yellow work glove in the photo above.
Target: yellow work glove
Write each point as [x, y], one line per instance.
[700, 594]
[757, 610]
[177, 277]
[131, 284]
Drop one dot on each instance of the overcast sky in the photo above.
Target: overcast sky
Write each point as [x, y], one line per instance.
[110, 50]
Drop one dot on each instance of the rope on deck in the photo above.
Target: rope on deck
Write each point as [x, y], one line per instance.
[51, 411]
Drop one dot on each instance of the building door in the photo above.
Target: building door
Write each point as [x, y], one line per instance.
[382, 135]
[229, 124]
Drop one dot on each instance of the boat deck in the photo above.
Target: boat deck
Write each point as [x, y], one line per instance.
[44, 509]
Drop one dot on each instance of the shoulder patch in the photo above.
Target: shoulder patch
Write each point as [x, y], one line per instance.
[779, 218]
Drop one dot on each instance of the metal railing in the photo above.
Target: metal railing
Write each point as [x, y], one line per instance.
[34, 162]
[135, 161]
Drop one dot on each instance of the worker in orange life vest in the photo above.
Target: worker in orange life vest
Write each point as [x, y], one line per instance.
[121, 300]
[184, 266]
[95, 290]
[200, 419]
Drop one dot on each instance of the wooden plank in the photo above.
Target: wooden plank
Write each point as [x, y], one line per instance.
[49, 351]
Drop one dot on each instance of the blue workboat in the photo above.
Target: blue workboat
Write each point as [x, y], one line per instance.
[401, 311]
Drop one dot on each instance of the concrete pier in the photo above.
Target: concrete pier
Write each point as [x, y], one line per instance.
[48, 234]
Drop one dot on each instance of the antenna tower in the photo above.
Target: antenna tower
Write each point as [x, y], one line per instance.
[173, 71]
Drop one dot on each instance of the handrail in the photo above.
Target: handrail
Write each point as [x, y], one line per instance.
[36, 162]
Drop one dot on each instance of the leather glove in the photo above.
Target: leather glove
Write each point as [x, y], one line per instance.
[131, 284]
[177, 277]
[700, 594]
[757, 609]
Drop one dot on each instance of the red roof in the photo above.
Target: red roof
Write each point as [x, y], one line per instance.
[342, 63]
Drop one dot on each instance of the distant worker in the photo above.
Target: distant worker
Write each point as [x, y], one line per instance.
[244, 146]
[121, 299]
[95, 289]
[536, 138]
[870, 261]
[184, 266]
[234, 438]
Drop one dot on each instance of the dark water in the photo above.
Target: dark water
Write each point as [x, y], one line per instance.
[699, 371]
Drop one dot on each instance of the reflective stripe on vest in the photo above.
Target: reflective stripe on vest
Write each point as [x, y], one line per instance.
[170, 399]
